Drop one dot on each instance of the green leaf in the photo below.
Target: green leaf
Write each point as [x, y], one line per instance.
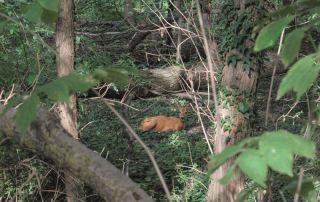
[26, 113]
[277, 158]
[219, 159]
[291, 45]
[253, 165]
[288, 141]
[78, 83]
[34, 12]
[56, 90]
[49, 17]
[118, 76]
[61, 89]
[243, 107]
[227, 177]
[51, 5]
[300, 77]
[270, 33]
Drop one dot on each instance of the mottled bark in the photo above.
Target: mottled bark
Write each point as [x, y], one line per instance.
[234, 78]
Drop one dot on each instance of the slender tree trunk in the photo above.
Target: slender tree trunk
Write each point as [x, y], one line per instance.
[178, 53]
[171, 11]
[67, 111]
[128, 12]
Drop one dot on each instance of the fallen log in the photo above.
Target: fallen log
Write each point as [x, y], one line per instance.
[47, 137]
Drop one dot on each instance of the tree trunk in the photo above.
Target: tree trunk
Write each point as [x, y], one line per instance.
[67, 111]
[234, 79]
[128, 12]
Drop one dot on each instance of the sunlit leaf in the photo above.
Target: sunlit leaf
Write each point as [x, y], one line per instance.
[270, 33]
[291, 45]
[293, 143]
[26, 113]
[300, 77]
[253, 165]
[278, 158]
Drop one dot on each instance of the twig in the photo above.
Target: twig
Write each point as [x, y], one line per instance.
[145, 147]
[220, 143]
[272, 80]
[297, 193]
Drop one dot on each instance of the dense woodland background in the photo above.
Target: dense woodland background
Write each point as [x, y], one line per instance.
[256, 63]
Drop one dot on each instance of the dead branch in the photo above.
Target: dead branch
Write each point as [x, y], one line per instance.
[48, 138]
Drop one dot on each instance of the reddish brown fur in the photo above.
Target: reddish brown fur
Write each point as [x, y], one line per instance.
[162, 124]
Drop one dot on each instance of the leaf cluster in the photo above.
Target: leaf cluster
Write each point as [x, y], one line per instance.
[304, 72]
[253, 156]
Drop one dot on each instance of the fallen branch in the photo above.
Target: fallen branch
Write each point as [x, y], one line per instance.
[48, 138]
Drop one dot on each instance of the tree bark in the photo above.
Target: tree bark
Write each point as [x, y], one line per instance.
[67, 111]
[48, 138]
[234, 78]
[128, 12]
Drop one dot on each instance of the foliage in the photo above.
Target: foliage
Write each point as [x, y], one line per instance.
[255, 155]
[24, 177]
[258, 153]
[180, 156]
[24, 60]
[304, 72]
[61, 89]
[42, 11]
[234, 32]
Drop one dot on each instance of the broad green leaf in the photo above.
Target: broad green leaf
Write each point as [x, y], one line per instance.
[26, 113]
[270, 33]
[49, 17]
[34, 12]
[291, 46]
[118, 76]
[253, 165]
[219, 159]
[78, 83]
[56, 90]
[277, 158]
[300, 77]
[227, 177]
[51, 5]
[293, 143]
